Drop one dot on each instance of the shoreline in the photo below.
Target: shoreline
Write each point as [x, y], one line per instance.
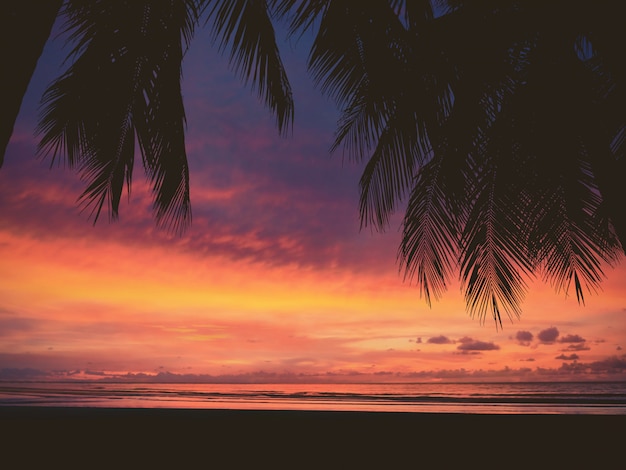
[251, 418]
[53, 411]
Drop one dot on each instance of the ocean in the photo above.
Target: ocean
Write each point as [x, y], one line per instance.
[599, 398]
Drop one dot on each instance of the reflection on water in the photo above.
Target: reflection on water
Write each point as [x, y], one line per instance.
[494, 398]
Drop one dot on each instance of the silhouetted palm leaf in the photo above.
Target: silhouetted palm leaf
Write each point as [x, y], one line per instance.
[246, 27]
[430, 241]
[122, 87]
[123, 83]
[24, 30]
[360, 58]
[498, 118]
[504, 122]
[542, 126]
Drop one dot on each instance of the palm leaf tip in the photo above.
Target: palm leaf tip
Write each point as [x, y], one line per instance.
[246, 28]
[122, 87]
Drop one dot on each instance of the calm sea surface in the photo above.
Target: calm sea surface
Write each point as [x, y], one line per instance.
[511, 398]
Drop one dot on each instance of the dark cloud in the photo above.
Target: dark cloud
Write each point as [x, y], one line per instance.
[549, 335]
[571, 357]
[524, 337]
[577, 347]
[571, 339]
[11, 373]
[610, 366]
[469, 345]
[439, 340]
[11, 324]
[255, 195]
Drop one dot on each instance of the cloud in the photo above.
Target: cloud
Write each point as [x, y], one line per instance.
[272, 206]
[609, 366]
[577, 347]
[572, 339]
[12, 373]
[524, 337]
[439, 340]
[574, 342]
[549, 335]
[11, 324]
[255, 196]
[469, 345]
[571, 357]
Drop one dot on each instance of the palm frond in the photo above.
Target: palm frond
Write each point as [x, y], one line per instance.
[164, 154]
[302, 14]
[245, 26]
[564, 247]
[360, 124]
[355, 42]
[123, 83]
[607, 41]
[389, 172]
[494, 258]
[368, 67]
[25, 28]
[430, 239]
[570, 144]
[569, 243]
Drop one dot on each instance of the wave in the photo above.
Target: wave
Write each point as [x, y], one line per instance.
[609, 398]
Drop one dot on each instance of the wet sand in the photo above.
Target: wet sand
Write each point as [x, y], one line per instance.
[314, 438]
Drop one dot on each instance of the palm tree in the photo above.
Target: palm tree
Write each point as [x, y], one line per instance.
[27, 23]
[123, 87]
[499, 125]
[502, 123]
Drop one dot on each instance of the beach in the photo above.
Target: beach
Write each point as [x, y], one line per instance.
[174, 436]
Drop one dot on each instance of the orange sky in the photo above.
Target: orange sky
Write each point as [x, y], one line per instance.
[274, 280]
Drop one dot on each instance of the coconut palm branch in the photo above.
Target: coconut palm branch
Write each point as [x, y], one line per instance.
[26, 23]
[498, 120]
[122, 87]
[547, 131]
[245, 27]
[360, 59]
[503, 122]
[431, 231]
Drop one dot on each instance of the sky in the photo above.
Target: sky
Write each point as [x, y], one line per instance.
[273, 282]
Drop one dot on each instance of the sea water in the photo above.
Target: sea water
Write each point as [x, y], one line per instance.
[493, 398]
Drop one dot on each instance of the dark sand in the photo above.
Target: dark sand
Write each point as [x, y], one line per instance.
[308, 439]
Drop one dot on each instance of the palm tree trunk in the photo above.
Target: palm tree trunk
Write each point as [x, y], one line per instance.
[25, 26]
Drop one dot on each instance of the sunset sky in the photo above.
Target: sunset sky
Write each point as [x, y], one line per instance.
[274, 281]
